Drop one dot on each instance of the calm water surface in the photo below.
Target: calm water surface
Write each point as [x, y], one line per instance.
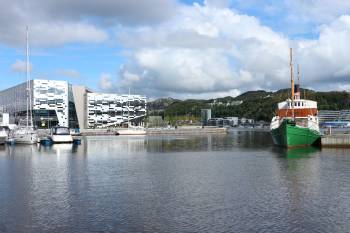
[217, 183]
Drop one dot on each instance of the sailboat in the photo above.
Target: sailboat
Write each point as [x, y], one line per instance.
[296, 121]
[26, 134]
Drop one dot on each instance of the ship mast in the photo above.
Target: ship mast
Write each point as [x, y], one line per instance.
[29, 93]
[27, 74]
[129, 109]
[292, 79]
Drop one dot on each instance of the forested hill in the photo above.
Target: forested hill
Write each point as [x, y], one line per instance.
[259, 105]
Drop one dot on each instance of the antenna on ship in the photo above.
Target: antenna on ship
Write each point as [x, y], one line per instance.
[298, 67]
[292, 79]
[298, 74]
[297, 92]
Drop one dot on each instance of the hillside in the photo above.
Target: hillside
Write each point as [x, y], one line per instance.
[259, 105]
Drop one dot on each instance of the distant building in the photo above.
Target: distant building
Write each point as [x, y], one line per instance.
[236, 102]
[205, 115]
[328, 115]
[334, 118]
[230, 121]
[215, 122]
[250, 121]
[243, 120]
[60, 103]
[344, 115]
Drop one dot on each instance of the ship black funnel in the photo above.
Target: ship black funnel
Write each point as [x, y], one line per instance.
[297, 88]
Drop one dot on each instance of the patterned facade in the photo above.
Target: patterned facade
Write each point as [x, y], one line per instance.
[58, 103]
[52, 103]
[105, 110]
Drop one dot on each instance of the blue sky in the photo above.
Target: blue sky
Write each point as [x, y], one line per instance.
[88, 59]
[183, 49]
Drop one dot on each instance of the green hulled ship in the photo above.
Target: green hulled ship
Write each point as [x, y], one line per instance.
[288, 134]
[296, 121]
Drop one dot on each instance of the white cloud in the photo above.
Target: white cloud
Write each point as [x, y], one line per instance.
[69, 73]
[325, 61]
[193, 51]
[204, 51]
[59, 22]
[105, 81]
[207, 51]
[54, 34]
[20, 66]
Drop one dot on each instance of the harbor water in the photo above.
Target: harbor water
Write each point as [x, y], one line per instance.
[236, 182]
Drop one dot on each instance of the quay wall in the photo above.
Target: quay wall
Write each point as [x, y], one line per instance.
[336, 140]
[191, 130]
[155, 131]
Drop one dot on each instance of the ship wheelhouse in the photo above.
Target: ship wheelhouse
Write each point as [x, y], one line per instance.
[299, 108]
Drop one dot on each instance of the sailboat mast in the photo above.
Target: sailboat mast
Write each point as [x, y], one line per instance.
[29, 92]
[292, 79]
[129, 108]
[27, 74]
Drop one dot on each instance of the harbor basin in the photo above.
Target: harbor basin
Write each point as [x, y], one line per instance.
[236, 182]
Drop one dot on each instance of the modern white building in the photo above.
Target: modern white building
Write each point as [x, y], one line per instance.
[53, 104]
[105, 110]
[60, 103]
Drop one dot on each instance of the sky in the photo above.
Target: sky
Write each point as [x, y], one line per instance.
[177, 48]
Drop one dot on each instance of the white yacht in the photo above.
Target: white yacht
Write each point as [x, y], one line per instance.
[61, 134]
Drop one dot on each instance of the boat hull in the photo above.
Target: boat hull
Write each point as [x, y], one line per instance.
[290, 135]
[26, 139]
[131, 132]
[61, 138]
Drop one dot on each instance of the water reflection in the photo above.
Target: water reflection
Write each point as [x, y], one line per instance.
[296, 153]
[210, 142]
[211, 183]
